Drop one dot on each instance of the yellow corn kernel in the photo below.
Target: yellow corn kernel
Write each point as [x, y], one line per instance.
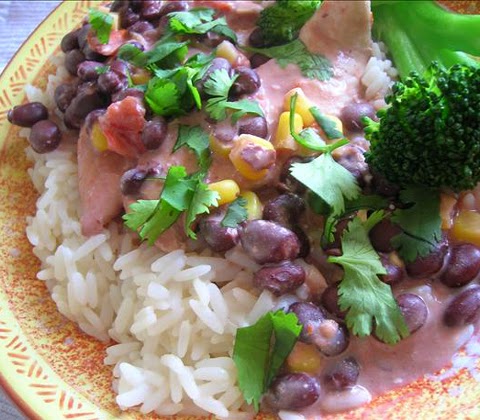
[227, 51]
[283, 138]
[254, 206]
[219, 147]
[227, 189]
[338, 126]
[302, 106]
[304, 358]
[244, 167]
[140, 77]
[466, 227]
[99, 141]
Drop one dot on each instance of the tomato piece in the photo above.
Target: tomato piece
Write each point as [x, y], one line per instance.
[122, 125]
[116, 40]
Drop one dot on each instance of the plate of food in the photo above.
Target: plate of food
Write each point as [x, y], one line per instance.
[242, 209]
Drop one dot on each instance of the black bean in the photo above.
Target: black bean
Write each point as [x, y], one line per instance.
[430, 264]
[136, 5]
[212, 39]
[287, 180]
[154, 133]
[414, 310]
[132, 180]
[310, 317]
[464, 308]
[120, 68]
[285, 209]
[151, 10]
[382, 233]
[352, 159]
[87, 71]
[28, 114]
[254, 125]
[64, 95]
[82, 35]
[343, 375]
[293, 391]
[122, 94]
[331, 337]
[218, 63]
[305, 245]
[352, 115]
[92, 55]
[118, 5]
[128, 17]
[246, 83]
[463, 265]
[174, 6]
[268, 242]
[257, 157]
[86, 100]
[281, 278]
[73, 59]
[141, 27]
[219, 238]
[45, 136]
[329, 301]
[256, 39]
[110, 82]
[70, 41]
[395, 274]
[257, 59]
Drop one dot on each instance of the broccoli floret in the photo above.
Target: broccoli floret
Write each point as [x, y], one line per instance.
[430, 133]
[281, 23]
[418, 33]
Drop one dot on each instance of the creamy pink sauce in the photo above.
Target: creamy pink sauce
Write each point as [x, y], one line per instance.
[341, 32]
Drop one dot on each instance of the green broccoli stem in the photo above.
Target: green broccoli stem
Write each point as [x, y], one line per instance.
[419, 32]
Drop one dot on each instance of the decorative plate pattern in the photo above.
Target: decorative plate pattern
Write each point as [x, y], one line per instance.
[51, 369]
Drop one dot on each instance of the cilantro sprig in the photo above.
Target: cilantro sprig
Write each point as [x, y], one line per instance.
[257, 359]
[369, 302]
[323, 176]
[421, 223]
[313, 66]
[181, 193]
[236, 213]
[102, 24]
[199, 21]
[218, 86]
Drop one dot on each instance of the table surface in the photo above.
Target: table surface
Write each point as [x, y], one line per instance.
[17, 20]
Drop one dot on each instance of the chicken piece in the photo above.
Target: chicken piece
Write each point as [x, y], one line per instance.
[99, 176]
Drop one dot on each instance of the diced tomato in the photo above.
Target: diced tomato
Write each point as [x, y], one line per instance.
[223, 6]
[122, 125]
[116, 40]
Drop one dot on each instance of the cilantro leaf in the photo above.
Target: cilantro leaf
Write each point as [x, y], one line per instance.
[165, 53]
[361, 292]
[199, 21]
[313, 66]
[163, 97]
[326, 124]
[236, 213]
[195, 138]
[102, 69]
[257, 361]
[218, 86]
[329, 180]
[421, 223]
[282, 22]
[203, 198]
[242, 108]
[101, 23]
[132, 54]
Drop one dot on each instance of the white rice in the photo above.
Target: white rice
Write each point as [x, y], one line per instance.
[173, 316]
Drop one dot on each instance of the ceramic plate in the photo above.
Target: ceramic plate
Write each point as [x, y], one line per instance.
[49, 368]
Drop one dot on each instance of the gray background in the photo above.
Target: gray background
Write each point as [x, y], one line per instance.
[18, 18]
